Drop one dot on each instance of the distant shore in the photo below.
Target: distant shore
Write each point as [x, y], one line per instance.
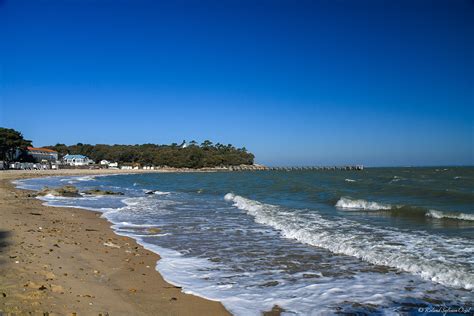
[21, 174]
[68, 261]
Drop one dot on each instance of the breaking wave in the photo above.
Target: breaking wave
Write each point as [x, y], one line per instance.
[76, 179]
[458, 216]
[350, 204]
[157, 192]
[436, 258]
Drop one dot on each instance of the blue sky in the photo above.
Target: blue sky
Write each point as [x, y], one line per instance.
[296, 82]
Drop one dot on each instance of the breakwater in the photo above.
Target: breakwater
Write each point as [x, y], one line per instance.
[294, 168]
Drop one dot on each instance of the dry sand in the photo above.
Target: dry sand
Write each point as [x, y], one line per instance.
[53, 260]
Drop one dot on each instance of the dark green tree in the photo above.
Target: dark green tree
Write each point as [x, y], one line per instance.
[206, 144]
[11, 144]
[193, 156]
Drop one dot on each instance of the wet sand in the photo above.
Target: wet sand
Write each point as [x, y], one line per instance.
[68, 261]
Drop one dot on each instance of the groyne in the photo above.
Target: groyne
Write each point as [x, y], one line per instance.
[295, 168]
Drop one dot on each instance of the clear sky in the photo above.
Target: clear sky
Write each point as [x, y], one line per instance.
[296, 82]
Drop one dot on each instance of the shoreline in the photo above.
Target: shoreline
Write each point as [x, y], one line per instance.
[69, 260]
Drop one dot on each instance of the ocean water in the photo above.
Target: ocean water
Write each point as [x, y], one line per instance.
[381, 241]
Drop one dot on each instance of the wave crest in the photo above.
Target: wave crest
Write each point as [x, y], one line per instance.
[444, 263]
[356, 205]
[440, 215]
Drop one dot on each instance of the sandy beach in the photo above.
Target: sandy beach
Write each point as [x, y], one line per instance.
[68, 261]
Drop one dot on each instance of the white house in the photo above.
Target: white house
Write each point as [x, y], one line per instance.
[43, 154]
[76, 160]
[109, 164]
[183, 144]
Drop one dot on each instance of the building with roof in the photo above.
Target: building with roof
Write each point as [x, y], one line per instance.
[76, 160]
[43, 154]
[109, 164]
[183, 144]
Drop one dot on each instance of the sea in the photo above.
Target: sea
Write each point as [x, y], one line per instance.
[379, 241]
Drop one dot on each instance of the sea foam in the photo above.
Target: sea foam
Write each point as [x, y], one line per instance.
[436, 258]
[459, 216]
[241, 291]
[346, 203]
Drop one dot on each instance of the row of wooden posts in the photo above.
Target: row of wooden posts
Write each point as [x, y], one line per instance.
[308, 168]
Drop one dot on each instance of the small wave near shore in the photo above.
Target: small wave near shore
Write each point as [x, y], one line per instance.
[348, 204]
[444, 215]
[435, 258]
[259, 254]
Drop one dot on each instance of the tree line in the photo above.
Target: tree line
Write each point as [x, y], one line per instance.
[13, 146]
[194, 155]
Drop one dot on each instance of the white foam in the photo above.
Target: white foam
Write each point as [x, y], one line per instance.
[198, 276]
[156, 192]
[25, 184]
[346, 203]
[441, 215]
[202, 277]
[49, 201]
[349, 180]
[161, 193]
[80, 178]
[127, 224]
[436, 258]
[396, 179]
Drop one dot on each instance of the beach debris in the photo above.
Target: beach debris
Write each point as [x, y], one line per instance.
[111, 244]
[65, 191]
[42, 288]
[101, 192]
[4, 294]
[173, 299]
